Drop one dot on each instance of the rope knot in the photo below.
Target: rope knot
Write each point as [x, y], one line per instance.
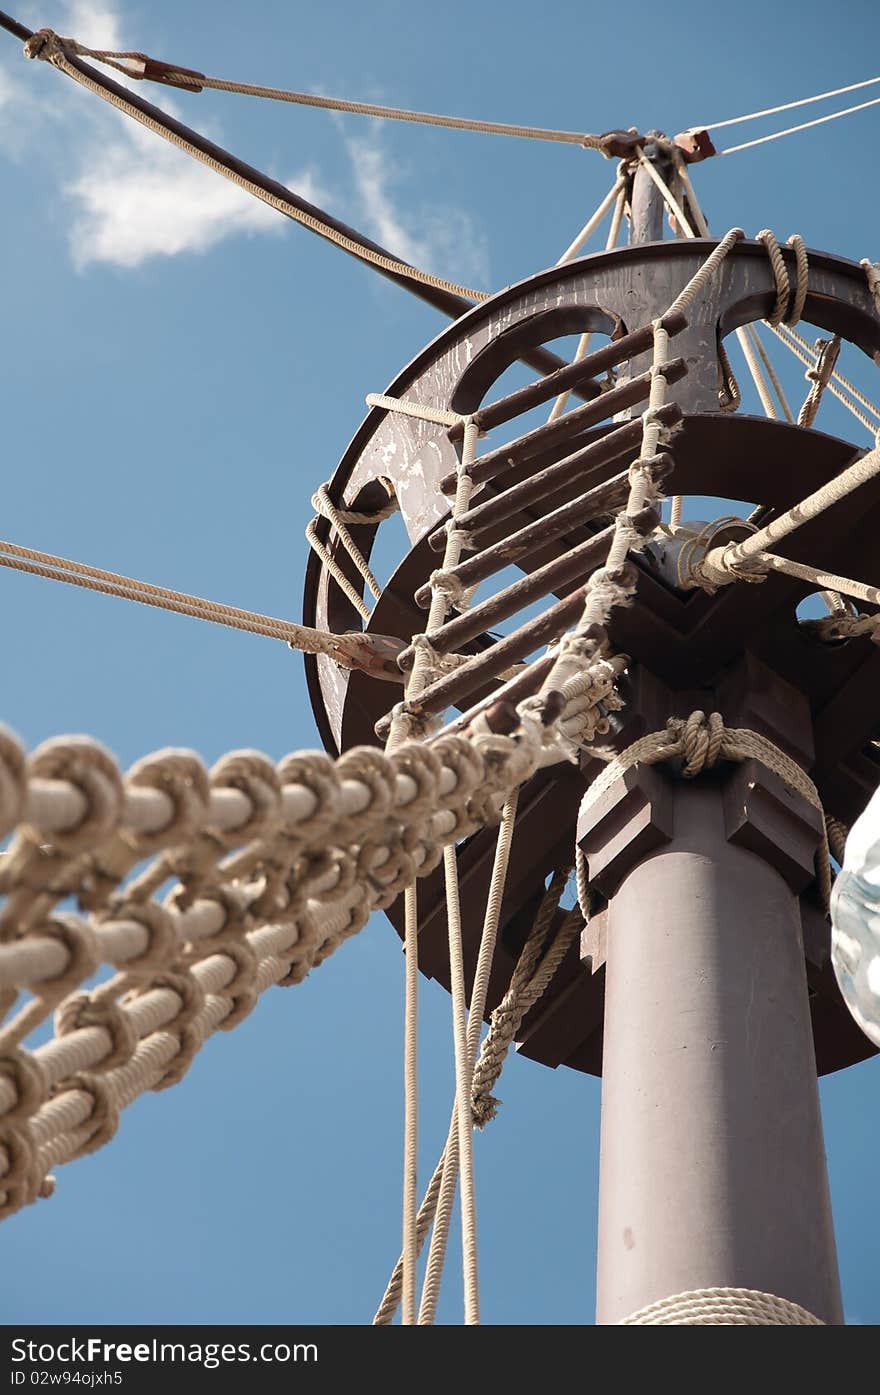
[45, 43]
[700, 739]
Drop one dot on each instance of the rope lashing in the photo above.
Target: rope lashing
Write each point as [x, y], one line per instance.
[723, 1307]
[48, 46]
[339, 519]
[827, 351]
[837, 627]
[138, 65]
[872, 276]
[721, 565]
[699, 742]
[781, 314]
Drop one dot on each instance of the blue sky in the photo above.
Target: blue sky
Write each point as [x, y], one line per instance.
[180, 369]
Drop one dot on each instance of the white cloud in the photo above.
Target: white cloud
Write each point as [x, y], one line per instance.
[443, 240]
[138, 198]
[96, 26]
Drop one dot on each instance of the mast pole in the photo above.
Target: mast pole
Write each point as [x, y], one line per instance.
[712, 1161]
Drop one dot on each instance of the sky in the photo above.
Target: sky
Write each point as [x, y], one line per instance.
[180, 369]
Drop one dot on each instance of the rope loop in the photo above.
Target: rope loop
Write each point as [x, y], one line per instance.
[797, 296]
[255, 776]
[28, 1079]
[13, 781]
[103, 1121]
[82, 1011]
[91, 768]
[181, 775]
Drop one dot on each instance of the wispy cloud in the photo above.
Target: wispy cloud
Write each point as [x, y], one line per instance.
[440, 239]
[135, 198]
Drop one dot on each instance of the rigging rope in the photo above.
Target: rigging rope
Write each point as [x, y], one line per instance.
[46, 564]
[140, 65]
[788, 106]
[804, 126]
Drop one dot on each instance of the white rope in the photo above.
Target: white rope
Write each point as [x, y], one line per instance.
[804, 126]
[839, 386]
[593, 222]
[450, 1157]
[586, 340]
[463, 1076]
[411, 1105]
[788, 106]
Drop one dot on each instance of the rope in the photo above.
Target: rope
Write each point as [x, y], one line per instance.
[47, 45]
[723, 1307]
[525, 990]
[535, 968]
[593, 222]
[804, 126]
[325, 507]
[411, 1107]
[827, 351]
[45, 564]
[837, 627]
[837, 384]
[840, 386]
[421, 672]
[321, 844]
[585, 340]
[724, 564]
[788, 106]
[139, 65]
[476, 1013]
[700, 742]
[462, 1092]
[615, 583]
[837, 836]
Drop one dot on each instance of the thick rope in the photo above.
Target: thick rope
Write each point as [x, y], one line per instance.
[699, 742]
[536, 966]
[48, 46]
[723, 1307]
[313, 847]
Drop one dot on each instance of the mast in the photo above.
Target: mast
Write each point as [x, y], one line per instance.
[712, 1161]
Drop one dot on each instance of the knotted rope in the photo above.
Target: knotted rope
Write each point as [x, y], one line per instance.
[698, 742]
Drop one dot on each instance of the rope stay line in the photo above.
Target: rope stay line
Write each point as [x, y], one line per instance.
[803, 126]
[139, 65]
[789, 106]
[342, 647]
